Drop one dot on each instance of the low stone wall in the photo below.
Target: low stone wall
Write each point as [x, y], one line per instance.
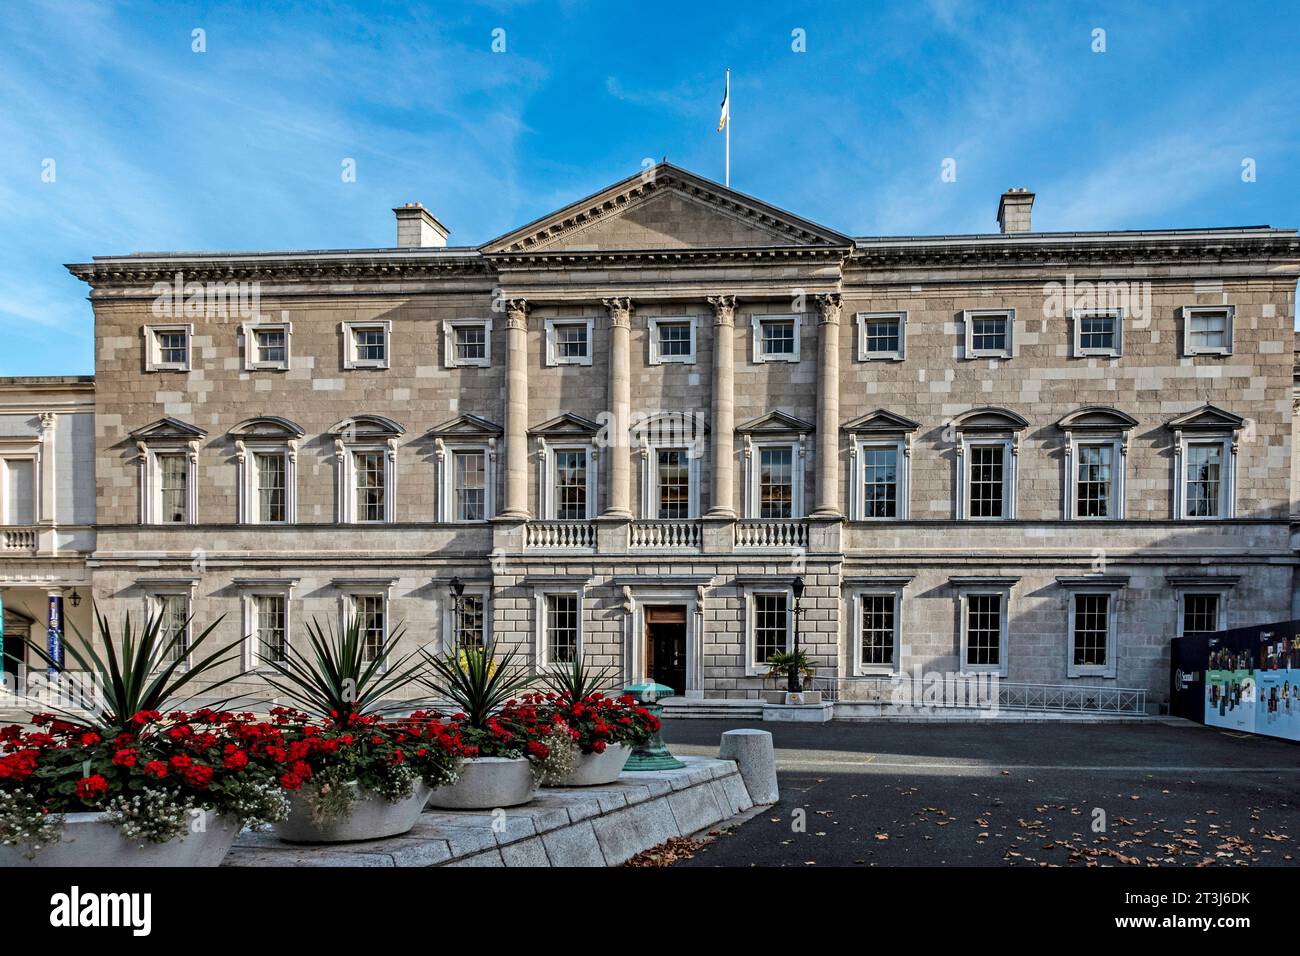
[588, 826]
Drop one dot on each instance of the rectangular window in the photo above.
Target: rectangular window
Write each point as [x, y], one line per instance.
[883, 335]
[468, 622]
[1098, 333]
[674, 339]
[20, 491]
[271, 346]
[1094, 481]
[167, 348]
[776, 482]
[878, 622]
[173, 484]
[771, 625]
[471, 485]
[173, 615]
[270, 620]
[571, 484]
[674, 484]
[369, 610]
[270, 472]
[880, 481]
[369, 471]
[1204, 488]
[1091, 630]
[571, 341]
[1200, 613]
[1208, 330]
[172, 348]
[372, 345]
[561, 628]
[989, 333]
[984, 630]
[987, 480]
[470, 343]
[777, 336]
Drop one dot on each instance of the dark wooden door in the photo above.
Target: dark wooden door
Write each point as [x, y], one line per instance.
[666, 647]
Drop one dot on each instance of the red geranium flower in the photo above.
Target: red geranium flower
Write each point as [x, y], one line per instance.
[91, 788]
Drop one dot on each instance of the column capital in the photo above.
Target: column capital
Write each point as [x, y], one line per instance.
[517, 314]
[724, 309]
[830, 305]
[48, 421]
[620, 311]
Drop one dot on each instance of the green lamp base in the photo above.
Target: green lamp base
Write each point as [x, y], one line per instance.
[653, 754]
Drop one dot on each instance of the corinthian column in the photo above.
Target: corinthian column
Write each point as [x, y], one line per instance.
[724, 404]
[826, 499]
[620, 406]
[516, 410]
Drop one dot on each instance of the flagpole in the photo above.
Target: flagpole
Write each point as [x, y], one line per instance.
[728, 99]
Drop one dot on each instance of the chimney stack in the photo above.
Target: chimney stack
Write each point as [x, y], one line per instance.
[416, 227]
[1013, 210]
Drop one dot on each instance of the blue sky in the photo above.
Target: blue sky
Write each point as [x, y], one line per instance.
[241, 147]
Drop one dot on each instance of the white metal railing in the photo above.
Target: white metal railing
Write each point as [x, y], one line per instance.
[1012, 695]
[561, 535]
[664, 535]
[18, 539]
[772, 534]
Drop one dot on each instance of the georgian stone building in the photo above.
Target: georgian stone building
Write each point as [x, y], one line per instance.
[629, 426]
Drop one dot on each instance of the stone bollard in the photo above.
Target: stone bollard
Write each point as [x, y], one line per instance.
[756, 761]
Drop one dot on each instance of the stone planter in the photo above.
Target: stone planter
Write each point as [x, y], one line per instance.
[595, 769]
[372, 818]
[90, 840]
[486, 783]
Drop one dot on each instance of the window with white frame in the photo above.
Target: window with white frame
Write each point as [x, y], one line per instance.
[1200, 612]
[569, 482]
[672, 340]
[267, 452]
[469, 484]
[673, 479]
[770, 626]
[1096, 491]
[776, 338]
[370, 485]
[877, 622]
[561, 627]
[776, 481]
[266, 345]
[1207, 330]
[568, 341]
[270, 476]
[881, 335]
[172, 610]
[366, 344]
[467, 343]
[365, 449]
[984, 631]
[267, 626]
[989, 480]
[167, 347]
[370, 611]
[469, 622]
[880, 465]
[1092, 623]
[1098, 332]
[19, 490]
[989, 332]
[1205, 472]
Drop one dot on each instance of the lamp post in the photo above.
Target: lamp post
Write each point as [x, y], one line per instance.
[794, 684]
[457, 604]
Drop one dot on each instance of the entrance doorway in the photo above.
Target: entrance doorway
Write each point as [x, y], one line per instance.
[665, 642]
[17, 632]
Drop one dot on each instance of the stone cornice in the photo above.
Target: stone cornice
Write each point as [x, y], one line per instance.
[381, 265]
[655, 258]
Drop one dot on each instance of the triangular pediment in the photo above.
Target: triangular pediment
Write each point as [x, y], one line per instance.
[665, 208]
[566, 424]
[775, 422]
[267, 426]
[881, 422]
[169, 429]
[1096, 418]
[466, 425]
[1207, 418]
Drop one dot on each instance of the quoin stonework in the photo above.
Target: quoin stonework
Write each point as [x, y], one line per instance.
[628, 426]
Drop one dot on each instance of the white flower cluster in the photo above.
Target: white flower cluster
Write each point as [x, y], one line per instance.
[256, 805]
[155, 816]
[562, 759]
[22, 822]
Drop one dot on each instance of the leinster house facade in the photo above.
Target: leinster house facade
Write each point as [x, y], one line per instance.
[643, 428]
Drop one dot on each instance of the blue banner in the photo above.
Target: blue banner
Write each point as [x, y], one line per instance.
[54, 634]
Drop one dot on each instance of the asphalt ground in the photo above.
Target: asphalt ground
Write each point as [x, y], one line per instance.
[998, 795]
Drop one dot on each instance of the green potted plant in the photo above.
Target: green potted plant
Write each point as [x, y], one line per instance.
[498, 739]
[141, 783]
[353, 773]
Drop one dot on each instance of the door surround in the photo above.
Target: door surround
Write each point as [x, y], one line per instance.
[636, 598]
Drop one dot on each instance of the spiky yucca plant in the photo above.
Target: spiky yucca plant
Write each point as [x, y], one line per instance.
[338, 679]
[141, 671]
[577, 680]
[474, 681]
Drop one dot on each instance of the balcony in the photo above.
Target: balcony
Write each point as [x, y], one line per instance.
[663, 536]
[772, 534]
[561, 535]
[18, 540]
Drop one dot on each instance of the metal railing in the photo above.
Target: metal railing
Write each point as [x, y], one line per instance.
[664, 535]
[1019, 696]
[561, 535]
[775, 534]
